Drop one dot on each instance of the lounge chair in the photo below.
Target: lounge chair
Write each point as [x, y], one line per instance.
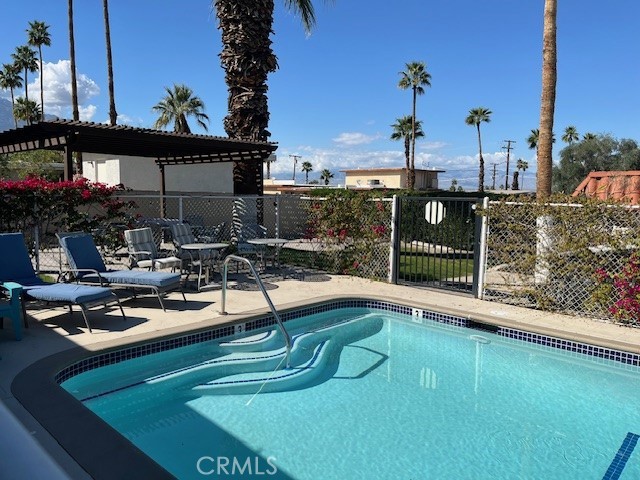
[88, 267]
[143, 251]
[16, 266]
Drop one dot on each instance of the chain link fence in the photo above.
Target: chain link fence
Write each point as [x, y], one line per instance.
[569, 258]
[283, 216]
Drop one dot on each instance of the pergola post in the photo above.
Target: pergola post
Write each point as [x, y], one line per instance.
[163, 191]
[68, 163]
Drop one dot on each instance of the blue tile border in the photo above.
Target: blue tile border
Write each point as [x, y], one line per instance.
[603, 354]
[620, 460]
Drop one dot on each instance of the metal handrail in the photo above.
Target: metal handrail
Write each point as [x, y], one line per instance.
[225, 267]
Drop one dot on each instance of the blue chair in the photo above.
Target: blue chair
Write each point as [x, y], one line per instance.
[15, 266]
[88, 266]
[12, 307]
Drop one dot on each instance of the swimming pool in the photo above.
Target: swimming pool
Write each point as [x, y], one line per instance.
[380, 391]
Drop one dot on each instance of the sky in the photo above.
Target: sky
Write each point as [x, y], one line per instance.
[335, 95]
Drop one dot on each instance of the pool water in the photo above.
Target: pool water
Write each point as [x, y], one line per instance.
[373, 395]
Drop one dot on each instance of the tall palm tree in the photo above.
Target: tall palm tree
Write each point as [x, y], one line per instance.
[416, 78]
[403, 130]
[326, 176]
[520, 165]
[548, 100]
[476, 117]
[247, 59]
[179, 104]
[589, 136]
[113, 115]
[570, 135]
[26, 110]
[38, 34]
[306, 168]
[25, 59]
[74, 82]
[10, 79]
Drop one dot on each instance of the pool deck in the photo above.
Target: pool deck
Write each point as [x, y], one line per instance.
[53, 330]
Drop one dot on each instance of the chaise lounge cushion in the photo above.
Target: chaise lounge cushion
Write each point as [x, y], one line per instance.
[69, 293]
[135, 277]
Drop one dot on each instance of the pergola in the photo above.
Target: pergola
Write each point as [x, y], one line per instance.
[167, 148]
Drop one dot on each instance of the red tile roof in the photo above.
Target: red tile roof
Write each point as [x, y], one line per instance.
[614, 185]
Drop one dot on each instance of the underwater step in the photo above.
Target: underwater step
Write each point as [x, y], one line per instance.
[315, 358]
[254, 343]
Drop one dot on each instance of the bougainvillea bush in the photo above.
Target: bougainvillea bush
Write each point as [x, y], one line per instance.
[623, 288]
[78, 205]
[354, 231]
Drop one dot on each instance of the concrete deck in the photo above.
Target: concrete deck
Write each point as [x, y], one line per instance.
[53, 330]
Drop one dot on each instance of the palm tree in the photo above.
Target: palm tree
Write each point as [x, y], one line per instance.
[533, 138]
[416, 78]
[25, 59]
[570, 135]
[38, 34]
[247, 59]
[326, 176]
[520, 165]
[177, 106]
[476, 117]
[548, 100]
[74, 82]
[306, 168]
[402, 130]
[589, 136]
[269, 160]
[26, 110]
[113, 115]
[10, 78]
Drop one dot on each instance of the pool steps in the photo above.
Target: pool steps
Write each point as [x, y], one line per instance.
[242, 368]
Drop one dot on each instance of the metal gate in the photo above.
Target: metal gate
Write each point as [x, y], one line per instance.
[437, 243]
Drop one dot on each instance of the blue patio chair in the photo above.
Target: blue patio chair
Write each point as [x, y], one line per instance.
[11, 307]
[15, 266]
[88, 267]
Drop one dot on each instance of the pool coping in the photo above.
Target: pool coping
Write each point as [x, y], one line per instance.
[109, 455]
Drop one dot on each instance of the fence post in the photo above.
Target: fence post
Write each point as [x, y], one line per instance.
[479, 278]
[277, 205]
[395, 242]
[180, 212]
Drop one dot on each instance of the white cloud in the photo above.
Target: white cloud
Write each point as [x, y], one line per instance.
[57, 90]
[431, 145]
[354, 138]
[124, 119]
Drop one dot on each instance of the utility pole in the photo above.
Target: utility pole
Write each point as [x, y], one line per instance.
[295, 162]
[508, 148]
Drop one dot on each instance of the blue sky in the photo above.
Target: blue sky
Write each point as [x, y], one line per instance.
[335, 95]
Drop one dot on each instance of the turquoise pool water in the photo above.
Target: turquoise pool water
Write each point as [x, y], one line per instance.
[373, 395]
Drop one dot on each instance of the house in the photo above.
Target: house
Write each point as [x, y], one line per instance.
[363, 178]
[614, 185]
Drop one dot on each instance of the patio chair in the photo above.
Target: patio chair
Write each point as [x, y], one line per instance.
[11, 307]
[245, 226]
[15, 266]
[143, 251]
[88, 266]
[201, 259]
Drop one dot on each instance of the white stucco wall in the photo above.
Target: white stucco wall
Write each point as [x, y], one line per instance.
[140, 173]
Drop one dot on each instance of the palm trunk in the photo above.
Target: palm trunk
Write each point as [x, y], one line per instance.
[113, 115]
[247, 59]
[26, 85]
[74, 83]
[547, 104]
[41, 84]
[411, 175]
[13, 106]
[481, 166]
